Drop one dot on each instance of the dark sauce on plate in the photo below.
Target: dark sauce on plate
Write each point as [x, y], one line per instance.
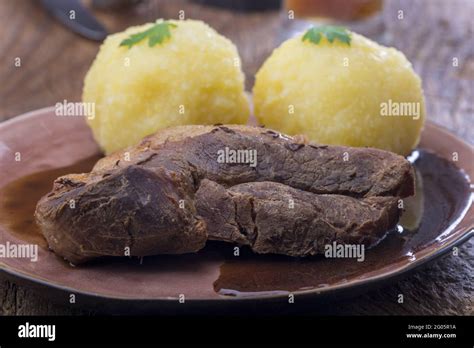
[19, 198]
[443, 193]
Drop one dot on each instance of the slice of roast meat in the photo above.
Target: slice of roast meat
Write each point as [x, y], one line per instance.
[276, 218]
[132, 212]
[155, 198]
[193, 150]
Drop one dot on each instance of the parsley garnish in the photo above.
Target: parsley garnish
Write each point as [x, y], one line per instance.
[314, 34]
[156, 35]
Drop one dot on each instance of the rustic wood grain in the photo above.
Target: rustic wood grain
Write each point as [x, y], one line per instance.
[431, 34]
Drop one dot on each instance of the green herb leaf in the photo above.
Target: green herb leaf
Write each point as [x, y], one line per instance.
[156, 35]
[332, 33]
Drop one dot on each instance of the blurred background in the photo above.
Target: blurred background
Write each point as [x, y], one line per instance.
[43, 62]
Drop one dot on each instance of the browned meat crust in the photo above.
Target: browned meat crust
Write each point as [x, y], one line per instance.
[276, 218]
[161, 199]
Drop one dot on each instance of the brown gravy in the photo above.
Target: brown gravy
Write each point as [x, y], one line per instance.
[18, 199]
[445, 192]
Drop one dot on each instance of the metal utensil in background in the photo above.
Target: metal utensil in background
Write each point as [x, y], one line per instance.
[76, 17]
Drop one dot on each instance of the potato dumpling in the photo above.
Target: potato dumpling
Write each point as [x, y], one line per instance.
[191, 77]
[336, 93]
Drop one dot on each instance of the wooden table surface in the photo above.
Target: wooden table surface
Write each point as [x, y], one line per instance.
[433, 34]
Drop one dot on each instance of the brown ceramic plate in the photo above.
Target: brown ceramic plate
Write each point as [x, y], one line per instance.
[47, 142]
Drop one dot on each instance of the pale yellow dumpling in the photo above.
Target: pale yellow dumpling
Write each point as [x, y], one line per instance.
[362, 94]
[192, 77]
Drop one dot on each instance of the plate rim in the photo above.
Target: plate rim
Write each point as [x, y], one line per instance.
[465, 235]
